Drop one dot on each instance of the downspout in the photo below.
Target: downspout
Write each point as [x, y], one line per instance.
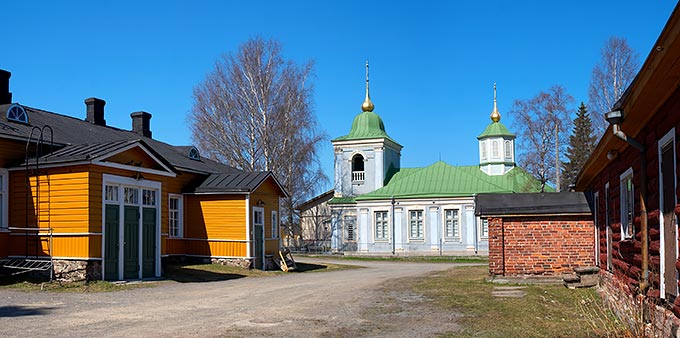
[394, 238]
[474, 222]
[503, 245]
[644, 285]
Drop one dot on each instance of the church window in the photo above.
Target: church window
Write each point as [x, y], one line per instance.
[494, 149]
[381, 232]
[484, 150]
[451, 223]
[508, 149]
[357, 168]
[350, 222]
[416, 224]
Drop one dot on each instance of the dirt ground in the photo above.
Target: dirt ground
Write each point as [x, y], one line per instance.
[344, 303]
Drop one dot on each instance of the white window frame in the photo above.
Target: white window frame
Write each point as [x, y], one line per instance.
[180, 216]
[153, 194]
[258, 210]
[419, 224]
[350, 223]
[626, 202]
[484, 150]
[136, 192]
[495, 152]
[4, 198]
[455, 224]
[275, 224]
[508, 149]
[484, 228]
[385, 222]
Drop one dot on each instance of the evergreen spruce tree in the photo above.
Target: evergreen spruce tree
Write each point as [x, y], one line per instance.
[581, 144]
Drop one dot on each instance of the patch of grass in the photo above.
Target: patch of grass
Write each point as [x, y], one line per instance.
[545, 311]
[415, 259]
[55, 286]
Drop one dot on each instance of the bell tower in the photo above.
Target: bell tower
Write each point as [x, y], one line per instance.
[366, 157]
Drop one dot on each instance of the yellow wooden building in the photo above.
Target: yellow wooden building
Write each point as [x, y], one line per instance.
[108, 203]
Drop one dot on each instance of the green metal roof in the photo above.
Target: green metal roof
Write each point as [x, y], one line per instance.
[443, 180]
[342, 200]
[495, 129]
[366, 125]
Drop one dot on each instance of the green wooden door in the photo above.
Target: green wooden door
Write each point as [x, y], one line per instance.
[258, 246]
[131, 244]
[112, 221]
[148, 242]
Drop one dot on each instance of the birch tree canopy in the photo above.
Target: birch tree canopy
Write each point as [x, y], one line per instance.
[254, 111]
[610, 78]
[542, 124]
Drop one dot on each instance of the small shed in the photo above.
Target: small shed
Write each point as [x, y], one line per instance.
[538, 234]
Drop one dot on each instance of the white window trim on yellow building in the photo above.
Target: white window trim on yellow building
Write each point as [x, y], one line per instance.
[180, 216]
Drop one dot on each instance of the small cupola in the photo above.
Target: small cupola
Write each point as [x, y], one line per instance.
[496, 144]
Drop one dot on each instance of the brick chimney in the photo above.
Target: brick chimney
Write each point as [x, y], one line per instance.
[140, 123]
[5, 95]
[95, 111]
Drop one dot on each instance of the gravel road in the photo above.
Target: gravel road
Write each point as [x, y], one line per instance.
[344, 303]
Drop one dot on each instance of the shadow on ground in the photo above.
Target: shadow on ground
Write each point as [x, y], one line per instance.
[304, 267]
[20, 311]
[185, 274]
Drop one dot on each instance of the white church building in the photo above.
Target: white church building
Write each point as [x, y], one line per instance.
[379, 207]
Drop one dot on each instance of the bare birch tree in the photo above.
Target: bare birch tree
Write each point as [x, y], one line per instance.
[254, 111]
[542, 124]
[610, 78]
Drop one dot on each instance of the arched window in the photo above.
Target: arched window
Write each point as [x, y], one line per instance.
[17, 113]
[357, 168]
[483, 150]
[508, 149]
[494, 149]
[193, 154]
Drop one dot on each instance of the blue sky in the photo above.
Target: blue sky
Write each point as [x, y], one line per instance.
[433, 63]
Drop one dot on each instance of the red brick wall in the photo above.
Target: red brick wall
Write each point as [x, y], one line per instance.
[547, 246]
